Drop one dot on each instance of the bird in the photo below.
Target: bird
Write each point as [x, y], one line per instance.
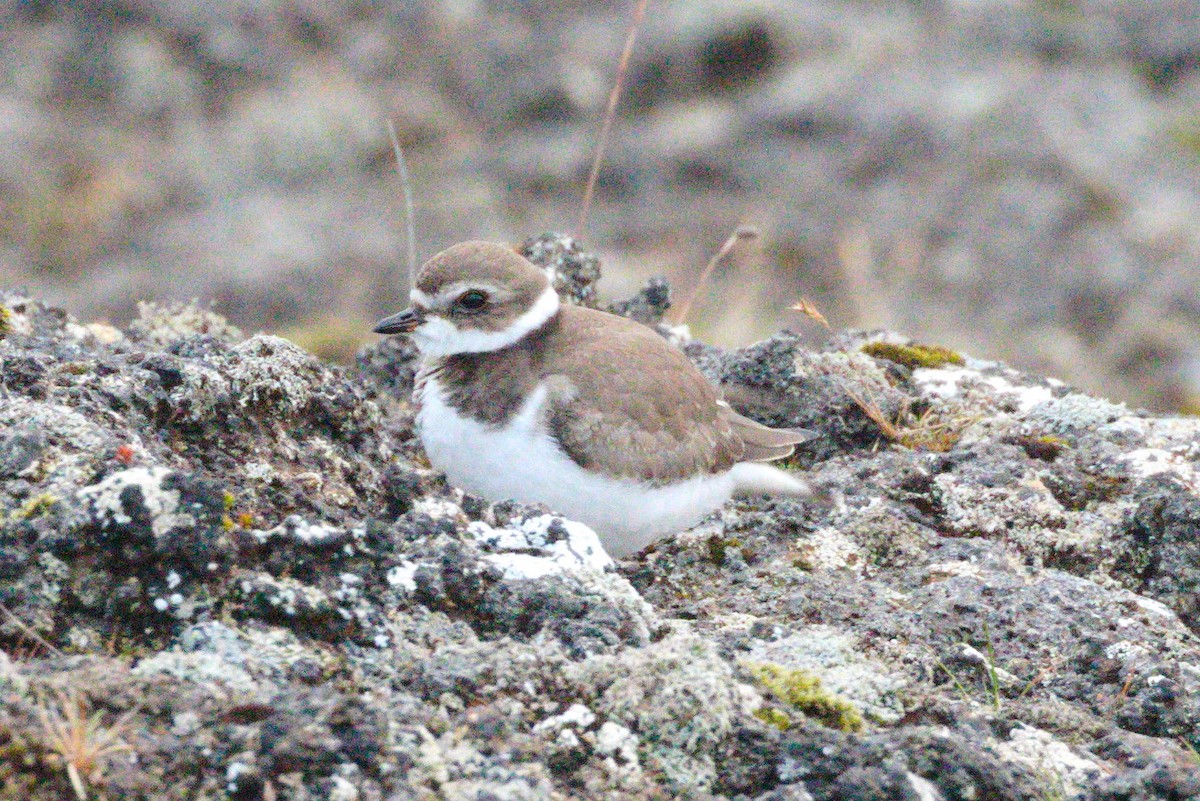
[522, 397]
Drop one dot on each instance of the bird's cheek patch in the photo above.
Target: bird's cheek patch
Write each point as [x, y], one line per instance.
[436, 330]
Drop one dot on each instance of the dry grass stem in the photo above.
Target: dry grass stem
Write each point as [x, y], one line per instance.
[931, 430]
[406, 188]
[82, 740]
[810, 310]
[742, 233]
[33, 636]
[610, 113]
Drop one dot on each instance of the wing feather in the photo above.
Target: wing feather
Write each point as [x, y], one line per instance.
[657, 431]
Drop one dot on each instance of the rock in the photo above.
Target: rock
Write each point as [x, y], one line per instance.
[231, 559]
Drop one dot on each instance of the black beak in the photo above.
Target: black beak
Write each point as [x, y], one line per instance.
[401, 323]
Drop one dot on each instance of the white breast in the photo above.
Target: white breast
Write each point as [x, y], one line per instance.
[521, 461]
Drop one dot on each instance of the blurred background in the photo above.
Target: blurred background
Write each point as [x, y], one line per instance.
[1019, 179]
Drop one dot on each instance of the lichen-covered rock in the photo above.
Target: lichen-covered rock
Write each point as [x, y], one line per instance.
[233, 560]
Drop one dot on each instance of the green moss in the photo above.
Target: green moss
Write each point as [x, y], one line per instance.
[717, 547]
[802, 691]
[36, 506]
[773, 717]
[5, 322]
[913, 356]
[1047, 448]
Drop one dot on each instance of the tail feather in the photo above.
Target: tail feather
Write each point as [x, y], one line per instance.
[755, 477]
[767, 453]
[763, 443]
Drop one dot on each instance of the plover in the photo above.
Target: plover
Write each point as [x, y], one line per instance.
[520, 397]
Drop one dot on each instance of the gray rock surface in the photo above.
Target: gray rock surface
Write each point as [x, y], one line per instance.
[229, 564]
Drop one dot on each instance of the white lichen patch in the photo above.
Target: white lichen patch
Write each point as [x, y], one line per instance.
[1145, 462]
[103, 333]
[925, 789]
[618, 746]
[259, 471]
[1027, 508]
[201, 392]
[55, 573]
[204, 668]
[69, 460]
[161, 324]
[680, 696]
[342, 789]
[540, 546]
[1180, 434]
[576, 716]
[287, 595]
[11, 678]
[953, 382]
[438, 508]
[1062, 768]
[827, 549]
[941, 571]
[563, 730]
[1152, 608]
[19, 322]
[104, 499]
[403, 576]
[296, 528]
[271, 370]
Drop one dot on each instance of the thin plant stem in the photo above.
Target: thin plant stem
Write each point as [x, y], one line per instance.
[610, 112]
[742, 233]
[406, 187]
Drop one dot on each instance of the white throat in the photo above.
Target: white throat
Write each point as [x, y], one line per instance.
[438, 337]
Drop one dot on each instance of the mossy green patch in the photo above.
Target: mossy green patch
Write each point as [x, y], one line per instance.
[773, 717]
[5, 322]
[1047, 447]
[36, 506]
[802, 691]
[913, 356]
[718, 546]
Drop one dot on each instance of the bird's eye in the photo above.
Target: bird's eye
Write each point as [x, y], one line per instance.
[472, 300]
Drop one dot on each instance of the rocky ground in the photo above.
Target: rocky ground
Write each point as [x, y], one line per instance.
[227, 572]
